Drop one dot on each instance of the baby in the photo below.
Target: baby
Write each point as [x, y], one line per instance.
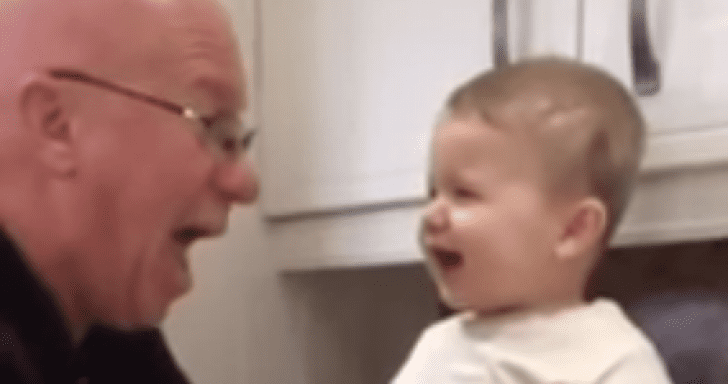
[532, 168]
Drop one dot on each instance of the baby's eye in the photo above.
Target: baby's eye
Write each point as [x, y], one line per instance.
[462, 193]
[431, 193]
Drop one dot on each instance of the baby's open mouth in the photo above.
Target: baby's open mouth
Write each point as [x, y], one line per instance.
[447, 259]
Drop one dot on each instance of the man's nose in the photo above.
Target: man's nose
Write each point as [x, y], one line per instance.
[238, 181]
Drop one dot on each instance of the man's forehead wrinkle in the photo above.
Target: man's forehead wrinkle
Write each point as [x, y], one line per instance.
[202, 44]
[135, 42]
[10, 17]
[211, 62]
[149, 44]
[74, 33]
[226, 97]
[202, 27]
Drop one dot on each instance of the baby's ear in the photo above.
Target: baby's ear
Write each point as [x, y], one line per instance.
[583, 228]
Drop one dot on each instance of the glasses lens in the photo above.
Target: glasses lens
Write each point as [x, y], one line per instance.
[225, 133]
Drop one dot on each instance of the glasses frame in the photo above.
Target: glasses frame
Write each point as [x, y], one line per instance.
[228, 145]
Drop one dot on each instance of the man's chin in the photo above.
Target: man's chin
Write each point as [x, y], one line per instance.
[140, 321]
[134, 326]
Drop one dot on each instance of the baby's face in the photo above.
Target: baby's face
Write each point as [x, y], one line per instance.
[487, 231]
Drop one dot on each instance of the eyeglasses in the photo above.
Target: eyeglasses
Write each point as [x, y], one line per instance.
[220, 132]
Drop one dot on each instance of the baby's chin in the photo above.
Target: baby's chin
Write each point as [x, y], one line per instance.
[450, 299]
[456, 303]
[447, 296]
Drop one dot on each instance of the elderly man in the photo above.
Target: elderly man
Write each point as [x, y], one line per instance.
[120, 145]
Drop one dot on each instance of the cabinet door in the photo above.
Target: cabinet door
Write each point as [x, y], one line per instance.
[352, 89]
[351, 92]
[686, 40]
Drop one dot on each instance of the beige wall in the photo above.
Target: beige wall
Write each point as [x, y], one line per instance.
[232, 328]
[358, 324]
[245, 323]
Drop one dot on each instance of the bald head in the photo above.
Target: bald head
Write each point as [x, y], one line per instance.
[581, 121]
[152, 44]
[130, 39]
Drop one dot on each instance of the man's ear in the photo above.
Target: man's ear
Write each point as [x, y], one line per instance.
[46, 118]
[583, 229]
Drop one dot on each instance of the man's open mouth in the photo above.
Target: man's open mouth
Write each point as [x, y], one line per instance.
[187, 235]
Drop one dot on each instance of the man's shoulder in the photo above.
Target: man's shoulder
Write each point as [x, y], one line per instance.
[140, 357]
[16, 362]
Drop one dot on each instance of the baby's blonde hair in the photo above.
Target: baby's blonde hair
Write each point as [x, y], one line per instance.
[585, 126]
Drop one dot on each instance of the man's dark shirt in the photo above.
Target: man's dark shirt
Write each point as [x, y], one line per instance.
[35, 346]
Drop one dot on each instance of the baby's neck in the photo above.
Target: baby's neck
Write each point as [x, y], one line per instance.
[524, 308]
[488, 313]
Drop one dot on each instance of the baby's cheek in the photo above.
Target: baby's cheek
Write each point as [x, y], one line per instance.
[462, 217]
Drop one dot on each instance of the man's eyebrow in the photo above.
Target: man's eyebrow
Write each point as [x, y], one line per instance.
[225, 96]
[244, 129]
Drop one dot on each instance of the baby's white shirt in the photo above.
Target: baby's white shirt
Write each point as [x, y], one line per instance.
[594, 343]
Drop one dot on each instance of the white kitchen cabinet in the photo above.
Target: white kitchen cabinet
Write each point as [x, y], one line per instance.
[688, 114]
[667, 207]
[352, 89]
[684, 98]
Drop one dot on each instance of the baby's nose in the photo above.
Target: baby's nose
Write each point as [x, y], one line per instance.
[435, 217]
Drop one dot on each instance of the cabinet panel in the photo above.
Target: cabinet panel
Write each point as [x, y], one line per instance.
[544, 27]
[352, 89]
[667, 207]
[351, 92]
[688, 41]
